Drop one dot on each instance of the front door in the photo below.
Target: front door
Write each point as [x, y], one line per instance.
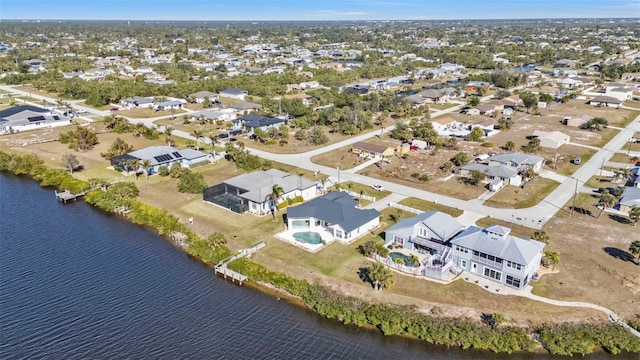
[474, 268]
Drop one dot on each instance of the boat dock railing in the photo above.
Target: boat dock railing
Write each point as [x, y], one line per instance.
[221, 267]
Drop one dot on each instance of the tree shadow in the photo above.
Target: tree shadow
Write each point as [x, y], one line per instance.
[364, 275]
[620, 219]
[618, 254]
[488, 319]
[581, 211]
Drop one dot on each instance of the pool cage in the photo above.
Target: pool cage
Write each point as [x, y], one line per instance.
[226, 196]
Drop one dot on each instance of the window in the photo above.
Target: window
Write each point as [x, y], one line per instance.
[463, 264]
[492, 274]
[398, 240]
[512, 281]
[422, 232]
[514, 265]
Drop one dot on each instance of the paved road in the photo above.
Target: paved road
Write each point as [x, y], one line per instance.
[534, 217]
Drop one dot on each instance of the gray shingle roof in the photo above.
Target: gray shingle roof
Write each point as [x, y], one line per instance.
[259, 184]
[517, 158]
[150, 153]
[336, 208]
[492, 171]
[507, 247]
[256, 121]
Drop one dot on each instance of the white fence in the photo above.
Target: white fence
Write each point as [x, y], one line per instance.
[436, 272]
[362, 196]
[405, 208]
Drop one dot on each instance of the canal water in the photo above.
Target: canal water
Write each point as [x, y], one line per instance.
[76, 283]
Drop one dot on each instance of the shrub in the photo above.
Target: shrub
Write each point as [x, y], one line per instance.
[487, 144]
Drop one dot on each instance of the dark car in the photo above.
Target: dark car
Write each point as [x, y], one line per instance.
[223, 136]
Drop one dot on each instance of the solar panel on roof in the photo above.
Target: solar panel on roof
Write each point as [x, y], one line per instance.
[177, 155]
[36, 118]
[56, 117]
[158, 158]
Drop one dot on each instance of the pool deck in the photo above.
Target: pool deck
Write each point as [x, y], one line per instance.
[287, 236]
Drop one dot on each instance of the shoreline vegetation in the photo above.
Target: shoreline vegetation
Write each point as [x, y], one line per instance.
[390, 319]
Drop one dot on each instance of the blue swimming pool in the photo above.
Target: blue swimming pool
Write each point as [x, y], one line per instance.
[308, 237]
[405, 258]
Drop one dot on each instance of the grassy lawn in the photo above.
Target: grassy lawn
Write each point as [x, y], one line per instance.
[442, 106]
[364, 189]
[103, 108]
[342, 156]
[425, 205]
[567, 167]
[518, 198]
[454, 188]
[35, 91]
[629, 118]
[145, 113]
[623, 158]
[517, 230]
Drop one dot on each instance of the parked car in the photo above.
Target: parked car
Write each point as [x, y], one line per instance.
[377, 187]
[577, 160]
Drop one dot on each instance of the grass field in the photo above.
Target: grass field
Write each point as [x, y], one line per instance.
[425, 206]
[518, 198]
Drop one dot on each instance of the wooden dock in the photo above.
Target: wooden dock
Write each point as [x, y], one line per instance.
[221, 267]
[67, 195]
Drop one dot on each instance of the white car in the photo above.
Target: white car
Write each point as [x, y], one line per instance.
[377, 187]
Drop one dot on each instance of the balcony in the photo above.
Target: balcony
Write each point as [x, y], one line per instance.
[495, 264]
[428, 243]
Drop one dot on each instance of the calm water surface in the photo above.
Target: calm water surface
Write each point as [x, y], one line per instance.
[76, 283]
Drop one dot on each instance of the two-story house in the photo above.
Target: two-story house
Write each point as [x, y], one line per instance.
[496, 255]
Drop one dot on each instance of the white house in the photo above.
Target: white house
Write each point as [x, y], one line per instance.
[551, 139]
[28, 117]
[234, 93]
[201, 95]
[517, 161]
[251, 192]
[336, 213]
[161, 156]
[137, 102]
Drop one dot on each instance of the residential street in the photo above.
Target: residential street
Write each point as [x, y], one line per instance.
[534, 217]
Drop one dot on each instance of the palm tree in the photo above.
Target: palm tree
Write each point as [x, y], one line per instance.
[634, 214]
[381, 277]
[552, 258]
[607, 200]
[323, 180]
[146, 166]
[274, 196]
[541, 235]
[634, 249]
[168, 130]
[197, 134]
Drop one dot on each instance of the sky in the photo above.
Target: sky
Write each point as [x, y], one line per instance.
[314, 9]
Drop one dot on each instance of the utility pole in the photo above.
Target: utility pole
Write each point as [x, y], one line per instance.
[575, 193]
[633, 137]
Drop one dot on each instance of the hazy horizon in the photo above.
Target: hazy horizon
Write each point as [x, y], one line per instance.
[328, 10]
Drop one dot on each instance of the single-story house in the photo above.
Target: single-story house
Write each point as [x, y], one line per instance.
[427, 96]
[245, 106]
[517, 161]
[137, 102]
[605, 101]
[576, 121]
[335, 212]
[234, 93]
[170, 104]
[487, 126]
[251, 122]
[214, 115]
[496, 255]
[252, 192]
[28, 117]
[201, 95]
[161, 156]
[630, 198]
[371, 150]
[447, 125]
[620, 93]
[493, 172]
[551, 139]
